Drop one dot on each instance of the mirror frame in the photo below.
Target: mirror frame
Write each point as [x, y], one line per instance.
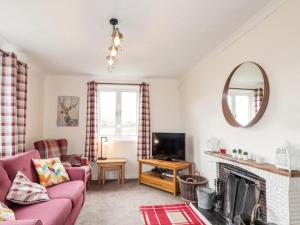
[225, 107]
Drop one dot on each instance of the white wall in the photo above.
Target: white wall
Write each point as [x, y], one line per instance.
[164, 106]
[35, 94]
[275, 44]
[35, 107]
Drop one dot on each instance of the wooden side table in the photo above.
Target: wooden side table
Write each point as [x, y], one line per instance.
[111, 164]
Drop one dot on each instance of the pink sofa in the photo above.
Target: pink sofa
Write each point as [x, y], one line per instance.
[66, 199]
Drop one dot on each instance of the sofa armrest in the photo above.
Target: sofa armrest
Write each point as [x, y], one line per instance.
[22, 222]
[84, 161]
[76, 173]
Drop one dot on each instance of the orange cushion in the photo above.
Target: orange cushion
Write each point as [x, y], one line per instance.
[50, 171]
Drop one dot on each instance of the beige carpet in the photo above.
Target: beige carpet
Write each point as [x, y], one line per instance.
[115, 204]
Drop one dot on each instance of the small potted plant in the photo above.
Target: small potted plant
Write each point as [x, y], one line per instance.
[245, 156]
[234, 153]
[240, 154]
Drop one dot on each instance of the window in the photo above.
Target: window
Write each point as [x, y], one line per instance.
[118, 109]
[242, 108]
[241, 105]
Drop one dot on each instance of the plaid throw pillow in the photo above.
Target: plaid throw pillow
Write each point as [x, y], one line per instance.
[23, 191]
[50, 171]
[6, 214]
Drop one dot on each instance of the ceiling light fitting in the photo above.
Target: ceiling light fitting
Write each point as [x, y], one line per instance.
[115, 48]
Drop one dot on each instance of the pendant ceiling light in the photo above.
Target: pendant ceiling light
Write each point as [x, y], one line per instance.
[115, 48]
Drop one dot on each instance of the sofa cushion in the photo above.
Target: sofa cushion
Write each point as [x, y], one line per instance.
[54, 212]
[72, 190]
[5, 184]
[75, 212]
[50, 171]
[23, 191]
[21, 162]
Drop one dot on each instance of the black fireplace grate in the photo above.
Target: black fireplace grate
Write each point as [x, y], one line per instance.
[243, 181]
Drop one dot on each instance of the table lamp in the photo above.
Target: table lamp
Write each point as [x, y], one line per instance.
[101, 140]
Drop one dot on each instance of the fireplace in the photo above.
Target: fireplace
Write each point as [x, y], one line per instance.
[279, 189]
[239, 192]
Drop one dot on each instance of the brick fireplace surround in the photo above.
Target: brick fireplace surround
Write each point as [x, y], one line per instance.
[282, 192]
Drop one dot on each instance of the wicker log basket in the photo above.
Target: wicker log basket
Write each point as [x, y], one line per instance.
[188, 185]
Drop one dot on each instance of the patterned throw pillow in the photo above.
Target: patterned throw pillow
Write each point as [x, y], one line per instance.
[23, 191]
[50, 171]
[6, 214]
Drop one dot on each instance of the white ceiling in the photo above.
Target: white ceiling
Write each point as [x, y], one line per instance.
[162, 38]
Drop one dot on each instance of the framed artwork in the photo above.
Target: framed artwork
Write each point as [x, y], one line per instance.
[68, 111]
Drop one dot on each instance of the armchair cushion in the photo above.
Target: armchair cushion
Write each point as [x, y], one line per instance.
[74, 159]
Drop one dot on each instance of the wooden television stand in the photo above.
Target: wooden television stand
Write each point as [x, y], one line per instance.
[169, 184]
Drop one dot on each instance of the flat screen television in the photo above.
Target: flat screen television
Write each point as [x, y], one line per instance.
[168, 146]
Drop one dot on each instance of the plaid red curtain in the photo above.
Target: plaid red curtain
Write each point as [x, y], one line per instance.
[13, 104]
[143, 151]
[91, 143]
[258, 98]
[21, 104]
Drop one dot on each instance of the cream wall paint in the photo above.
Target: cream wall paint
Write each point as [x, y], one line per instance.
[35, 107]
[35, 94]
[165, 115]
[274, 43]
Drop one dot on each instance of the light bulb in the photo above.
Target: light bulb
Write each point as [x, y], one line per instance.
[113, 51]
[110, 61]
[117, 40]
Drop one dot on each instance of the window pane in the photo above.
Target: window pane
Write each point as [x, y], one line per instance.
[242, 109]
[107, 113]
[128, 113]
[229, 100]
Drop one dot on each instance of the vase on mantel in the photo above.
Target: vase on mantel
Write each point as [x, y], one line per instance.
[245, 156]
[234, 153]
[240, 154]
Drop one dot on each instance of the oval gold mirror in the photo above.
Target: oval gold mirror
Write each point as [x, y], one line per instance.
[246, 95]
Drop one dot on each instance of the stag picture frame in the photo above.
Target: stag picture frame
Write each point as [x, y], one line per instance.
[68, 111]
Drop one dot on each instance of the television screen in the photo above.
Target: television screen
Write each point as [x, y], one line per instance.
[169, 146]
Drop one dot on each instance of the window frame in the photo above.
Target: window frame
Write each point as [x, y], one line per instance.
[118, 89]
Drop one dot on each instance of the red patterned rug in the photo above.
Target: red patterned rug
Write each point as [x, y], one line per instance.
[177, 214]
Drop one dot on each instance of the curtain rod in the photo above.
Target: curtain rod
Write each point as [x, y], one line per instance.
[117, 83]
